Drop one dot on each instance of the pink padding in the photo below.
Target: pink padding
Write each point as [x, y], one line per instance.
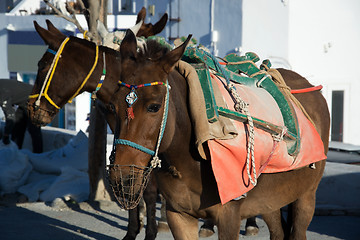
[228, 157]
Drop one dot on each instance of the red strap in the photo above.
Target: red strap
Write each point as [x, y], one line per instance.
[305, 90]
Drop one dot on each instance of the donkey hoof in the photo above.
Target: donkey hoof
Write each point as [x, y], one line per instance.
[142, 223]
[163, 227]
[205, 232]
[251, 231]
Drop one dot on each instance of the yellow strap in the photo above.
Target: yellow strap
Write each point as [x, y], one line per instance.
[51, 75]
[89, 74]
[45, 94]
[84, 35]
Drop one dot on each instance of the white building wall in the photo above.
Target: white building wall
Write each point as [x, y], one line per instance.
[82, 109]
[324, 37]
[265, 30]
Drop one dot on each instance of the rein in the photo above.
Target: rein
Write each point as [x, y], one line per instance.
[131, 99]
[45, 87]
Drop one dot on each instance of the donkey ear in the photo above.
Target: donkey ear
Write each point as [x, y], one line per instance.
[135, 29]
[141, 15]
[148, 29]
[171, 58]
[159, 26]
[53, 29]
[50, 39]
[101, 29]
[128, 45]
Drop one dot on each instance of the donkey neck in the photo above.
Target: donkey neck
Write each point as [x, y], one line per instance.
[109, 66]
[179, 138]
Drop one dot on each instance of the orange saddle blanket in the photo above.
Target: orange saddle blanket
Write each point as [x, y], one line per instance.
[228, 157]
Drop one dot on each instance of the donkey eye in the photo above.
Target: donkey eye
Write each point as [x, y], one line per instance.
[153, 108]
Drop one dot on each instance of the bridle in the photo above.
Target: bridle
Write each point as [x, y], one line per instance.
[131, 99]
[126, 188]
[49, 76]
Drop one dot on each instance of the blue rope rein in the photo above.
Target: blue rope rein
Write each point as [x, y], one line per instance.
[134, 145]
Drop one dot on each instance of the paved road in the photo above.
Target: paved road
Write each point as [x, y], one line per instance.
[38, 221]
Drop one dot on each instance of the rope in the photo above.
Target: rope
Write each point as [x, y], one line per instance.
[242, 106]
[276, 139]
[50, 74]
[102, 78]
[136, 146]
[89, 74]
[48, 78]
[156, 162]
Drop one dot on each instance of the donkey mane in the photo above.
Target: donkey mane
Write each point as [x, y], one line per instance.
[91, 45]
[153, 50]
[82, 41]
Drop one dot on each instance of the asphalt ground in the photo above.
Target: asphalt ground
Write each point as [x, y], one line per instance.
[106, 221]
[61, 220]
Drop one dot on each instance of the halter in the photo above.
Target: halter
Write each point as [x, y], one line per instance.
[50, 74]
[132, 96]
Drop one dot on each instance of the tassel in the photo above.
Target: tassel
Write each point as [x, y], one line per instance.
[130, 113]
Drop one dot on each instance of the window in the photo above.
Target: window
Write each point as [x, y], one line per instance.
[337, 116]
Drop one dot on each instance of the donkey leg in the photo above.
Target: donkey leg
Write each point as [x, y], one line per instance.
[274, 224]
[183, 226]
[207, 229]
[142, 213]
[133, 224]
[150, 195]
[303, 211]
[251, 228]
[229, 222]
[162, 223]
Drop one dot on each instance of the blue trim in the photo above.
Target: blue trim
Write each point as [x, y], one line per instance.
[134, 145]
[51, 51]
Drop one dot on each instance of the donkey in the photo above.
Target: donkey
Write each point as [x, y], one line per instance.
[141, 29]
[77, 54]
[74, 65]
[156, 124]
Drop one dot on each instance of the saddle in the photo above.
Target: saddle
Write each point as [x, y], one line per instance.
[282, 139]
[235, 67]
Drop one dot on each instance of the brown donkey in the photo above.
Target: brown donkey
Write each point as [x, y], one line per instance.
[156, 120]
[79, 68]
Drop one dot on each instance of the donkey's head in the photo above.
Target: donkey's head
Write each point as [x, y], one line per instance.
[141, 29]
[113, 39]
[61, 72]
[141, 106]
